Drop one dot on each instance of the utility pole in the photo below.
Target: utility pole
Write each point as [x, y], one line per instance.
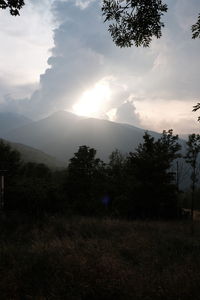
[177, 175]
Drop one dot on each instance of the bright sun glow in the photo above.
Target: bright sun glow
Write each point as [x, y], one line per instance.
[93, 100]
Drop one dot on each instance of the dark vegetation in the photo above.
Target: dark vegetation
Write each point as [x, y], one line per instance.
[85, 258]
[142, 184]
[137, 22]
[14, 6]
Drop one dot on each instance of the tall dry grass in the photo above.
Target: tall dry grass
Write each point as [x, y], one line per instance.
[83, 259]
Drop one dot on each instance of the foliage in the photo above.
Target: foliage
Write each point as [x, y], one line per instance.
[13, 5]
[116, 173]
[195, 108]
[137, 22]
[84, 180]
[10, 159]
[196, 29]
[116, 183]
[36, 170]
[153, 189]
[134, 22]
[134, 186]
[193, 150]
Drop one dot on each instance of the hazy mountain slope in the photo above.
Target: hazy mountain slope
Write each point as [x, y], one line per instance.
[10, 121]
[103, 135]
[61, 133]
[45, 132]
[29, 154]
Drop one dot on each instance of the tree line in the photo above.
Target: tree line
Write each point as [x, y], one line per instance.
[141, 184]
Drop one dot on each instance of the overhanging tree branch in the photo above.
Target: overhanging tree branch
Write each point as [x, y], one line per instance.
[196, 29]
[13, 5]
[134, 21]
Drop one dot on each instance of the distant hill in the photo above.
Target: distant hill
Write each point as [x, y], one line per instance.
[184, 136]
[10, 121]
[29, 154]
[62, 133]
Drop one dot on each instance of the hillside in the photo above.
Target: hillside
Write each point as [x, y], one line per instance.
[29, 154]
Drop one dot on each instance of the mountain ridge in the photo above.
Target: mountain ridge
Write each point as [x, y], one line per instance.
[61, 133]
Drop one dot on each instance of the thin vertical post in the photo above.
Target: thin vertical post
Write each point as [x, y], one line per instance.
[2, 192]
[2, 189]
[177, 175]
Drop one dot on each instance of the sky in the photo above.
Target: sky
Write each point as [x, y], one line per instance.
[58, 55]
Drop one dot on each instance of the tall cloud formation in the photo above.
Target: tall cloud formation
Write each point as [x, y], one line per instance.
[84, 54]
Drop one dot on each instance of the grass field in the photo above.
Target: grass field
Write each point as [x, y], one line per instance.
[83, 259]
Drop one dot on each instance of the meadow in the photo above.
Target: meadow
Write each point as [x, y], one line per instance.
[77, 258]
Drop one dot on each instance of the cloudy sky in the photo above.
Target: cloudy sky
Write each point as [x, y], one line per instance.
[58, 55]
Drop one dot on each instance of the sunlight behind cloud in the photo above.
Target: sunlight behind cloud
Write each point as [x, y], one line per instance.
[93, 100]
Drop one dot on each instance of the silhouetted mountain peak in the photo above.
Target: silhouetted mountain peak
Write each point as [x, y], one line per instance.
[62, 114]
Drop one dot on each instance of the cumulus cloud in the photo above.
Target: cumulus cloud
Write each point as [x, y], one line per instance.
[126, 113]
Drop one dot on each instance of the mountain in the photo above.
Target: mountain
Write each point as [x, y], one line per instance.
[62, 133]
[10, 121]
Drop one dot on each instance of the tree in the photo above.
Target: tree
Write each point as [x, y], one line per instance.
[116, 182]
[137, 21]
[154, 190]
[13, 5]
[193, 150]
[195, 108]
[9, 167]
[196, 29]
[134, 22]
[10, 159]
[85, 180]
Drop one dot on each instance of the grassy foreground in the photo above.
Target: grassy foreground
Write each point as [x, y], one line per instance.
[59, 258]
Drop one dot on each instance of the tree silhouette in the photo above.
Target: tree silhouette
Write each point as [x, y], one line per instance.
[10, 159]
[116, 182]
[134, 22]
[137, 22]
[193, 150]
[84, 179]
[195, 108]
[196, 29]
[9, 167]
[13, 5]
[154, 191]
